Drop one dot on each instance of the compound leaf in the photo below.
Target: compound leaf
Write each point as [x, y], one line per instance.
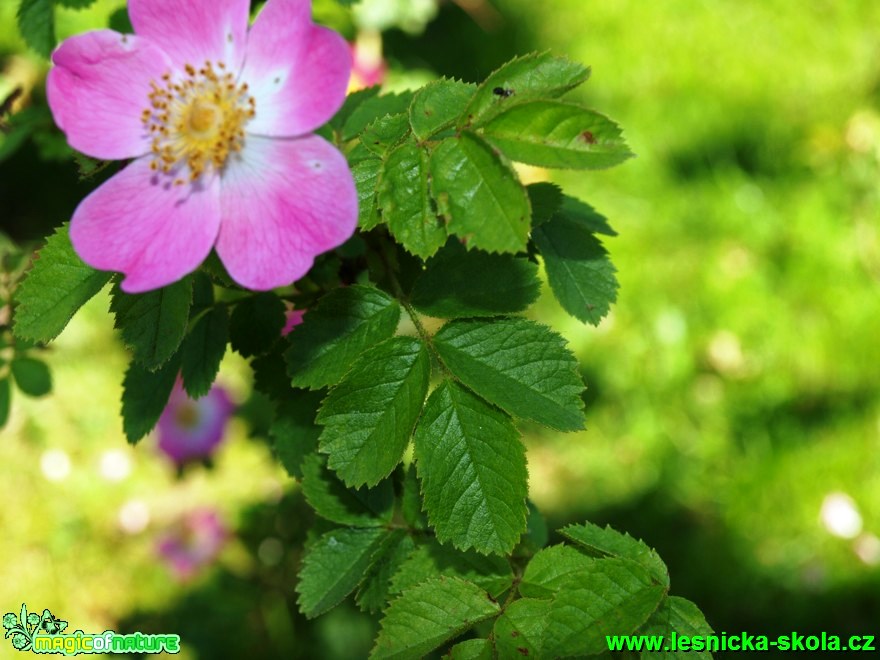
[369, 417]
[521, 366]
[473, 471]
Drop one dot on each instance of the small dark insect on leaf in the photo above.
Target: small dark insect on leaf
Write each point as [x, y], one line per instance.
[588, 137]
[502, 92]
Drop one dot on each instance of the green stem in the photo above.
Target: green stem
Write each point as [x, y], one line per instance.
[424, 335]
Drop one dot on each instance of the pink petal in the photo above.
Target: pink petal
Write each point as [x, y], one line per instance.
[297, 71]
[98, 89]
[284, 202]
[140, 224]
[194, 31]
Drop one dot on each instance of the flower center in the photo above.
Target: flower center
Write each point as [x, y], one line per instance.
[197, 120]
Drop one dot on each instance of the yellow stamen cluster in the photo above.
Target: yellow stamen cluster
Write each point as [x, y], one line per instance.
[197, 120]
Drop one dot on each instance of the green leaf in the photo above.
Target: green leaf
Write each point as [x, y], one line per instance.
[473, 471]
[372, 109]
[334, 566]
[352, 102]
[580, 273]
[426, 616]
[36, 22]
[153, 324]
[385, 133]
[681, 616]
[536, 534]
[480, 194]
[534, 76]
[430, 559]
[144, 397]
[581, 213]
[411, 500]
[471, 649]
[58, 284]
[609, 542]
[366, 175]
[459, 283]
[76, 4]
[546, 199]
[5, 400]
[551, 568]
[375, 591]
[329, 497]
[520, 629]
[438, 105]
[521, 366]
[613, 597]
[120, 22]
[406, 203]
[294, 432]
[32, 376]
[203, 350]
[256, 323]
[345, 323]
[557, 134]
[369, 417]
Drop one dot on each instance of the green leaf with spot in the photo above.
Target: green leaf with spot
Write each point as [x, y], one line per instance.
[558, 135]
[534, 76]
[405, 201]
[479, 192]
[424, 617]
[345, 323]
[520, 630]
[57, 285]
[458, 284]
[521, 366]
[369, 417]
[473, 471]
[438, 106]
[333, 567]
[153, 324]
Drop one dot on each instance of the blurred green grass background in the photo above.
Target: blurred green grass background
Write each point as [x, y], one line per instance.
[732, 389]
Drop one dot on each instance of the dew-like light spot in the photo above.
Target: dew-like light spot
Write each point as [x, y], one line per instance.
[134, 516]
[115, 465]
[840, 516]
[55, 465]
[867, 547]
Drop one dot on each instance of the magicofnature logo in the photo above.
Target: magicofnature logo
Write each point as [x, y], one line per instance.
[45, 634]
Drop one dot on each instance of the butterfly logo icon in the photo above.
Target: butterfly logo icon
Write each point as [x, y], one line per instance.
[50, 624]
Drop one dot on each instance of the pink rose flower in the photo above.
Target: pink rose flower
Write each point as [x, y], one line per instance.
[191, 429]
[218, 120]
[192, 542]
